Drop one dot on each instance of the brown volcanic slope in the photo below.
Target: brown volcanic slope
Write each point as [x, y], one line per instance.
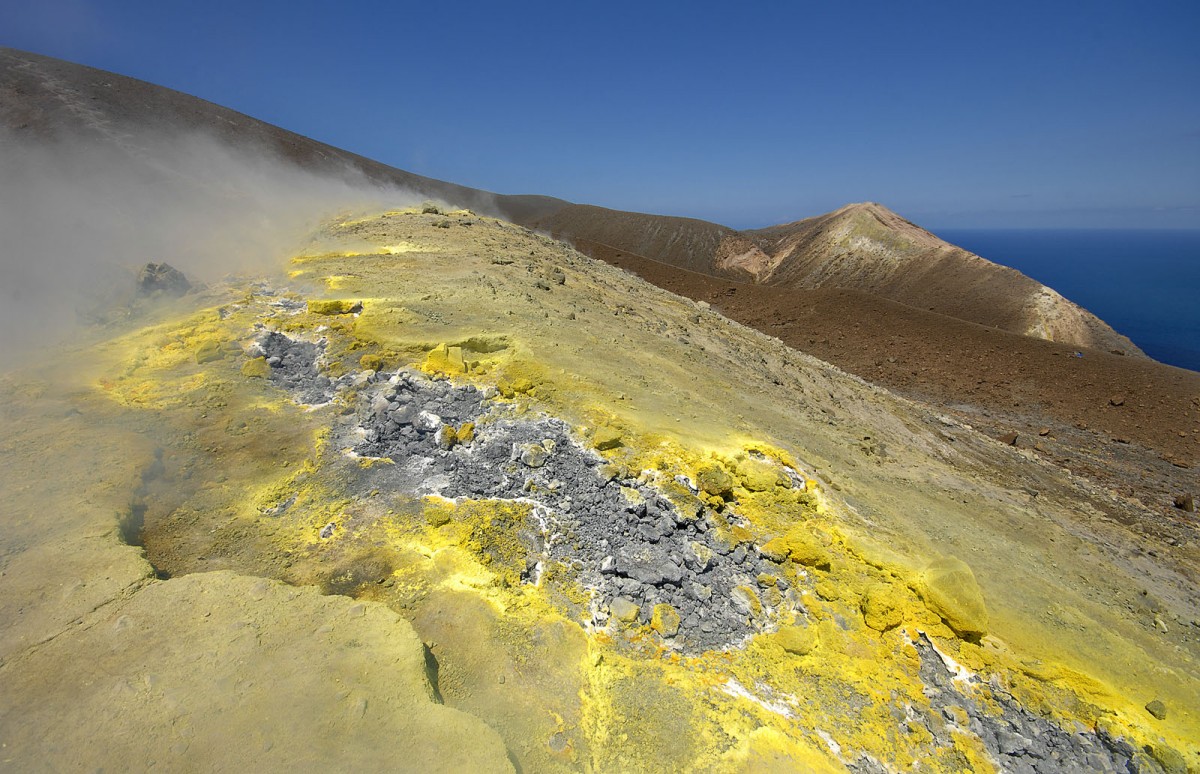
[696, 245]
[868, 247]
[864, 247]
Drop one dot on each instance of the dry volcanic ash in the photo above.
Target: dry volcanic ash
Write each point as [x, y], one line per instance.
[618, 535]
[295, 366]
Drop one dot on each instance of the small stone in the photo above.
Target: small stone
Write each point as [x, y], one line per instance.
[698, 556]
[510, 389]
[209, 351]
[162, 278]
[256, 368]
[624, 609]
[713, 480]
[371, 362]
[1117, 400]
[1157, 709]
[777, 550]
[665, 620]
[882, 607]
[466, 433]
[798, 546]
[760, 476]
[1045, 431]
[797, 640]
[950, 589]
[327, 531]
[446, 437]
[534, 455]
[1185, 502]
[1009, 439]
[437, 516]
[1011, 743]
[746, 600]
[670, 572]
[445, 359]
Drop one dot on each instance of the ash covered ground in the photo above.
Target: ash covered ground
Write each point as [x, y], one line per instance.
[612, 530]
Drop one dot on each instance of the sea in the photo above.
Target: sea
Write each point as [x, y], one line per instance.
[1146, 284]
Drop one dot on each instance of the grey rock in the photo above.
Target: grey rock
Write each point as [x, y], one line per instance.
[162, 279]
[1011, 743]
[534, 455]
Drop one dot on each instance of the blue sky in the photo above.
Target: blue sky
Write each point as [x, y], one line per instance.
[955, 114]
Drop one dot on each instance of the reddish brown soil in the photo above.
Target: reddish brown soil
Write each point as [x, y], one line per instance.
[1130, 424]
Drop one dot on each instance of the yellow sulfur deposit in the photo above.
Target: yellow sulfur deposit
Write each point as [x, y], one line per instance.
[445, 360]
[333, 306]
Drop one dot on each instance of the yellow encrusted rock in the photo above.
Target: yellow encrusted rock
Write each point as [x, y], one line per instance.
[761, 476]
[665, 620]
[333, 306]
[624, 610]
[800, 547]
[714, 480]
[256, 368]
[371, 362]
[882, 607]
[797, 640]
[445, 360]
[209, 351]
[949, 588]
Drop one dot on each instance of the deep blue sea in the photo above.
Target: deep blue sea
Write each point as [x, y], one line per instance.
[1146, 284]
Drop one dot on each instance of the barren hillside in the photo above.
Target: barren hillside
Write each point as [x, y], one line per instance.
[868, 247]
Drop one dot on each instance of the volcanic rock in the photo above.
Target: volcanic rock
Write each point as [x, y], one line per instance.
[882, 607]
[797, 640]
[950, 589]
[162, 279]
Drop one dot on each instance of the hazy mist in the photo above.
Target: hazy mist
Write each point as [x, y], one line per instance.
[78, 218]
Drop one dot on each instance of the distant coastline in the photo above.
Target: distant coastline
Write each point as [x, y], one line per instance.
[1144, 283]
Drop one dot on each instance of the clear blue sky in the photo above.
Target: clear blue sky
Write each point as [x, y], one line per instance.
[955, 114]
